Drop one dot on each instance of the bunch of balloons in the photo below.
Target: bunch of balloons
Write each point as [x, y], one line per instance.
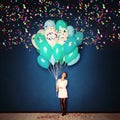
[57, 43]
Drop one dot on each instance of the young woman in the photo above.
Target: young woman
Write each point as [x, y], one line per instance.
[62, 92]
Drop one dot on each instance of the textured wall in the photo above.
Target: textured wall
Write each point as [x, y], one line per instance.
[93, 82]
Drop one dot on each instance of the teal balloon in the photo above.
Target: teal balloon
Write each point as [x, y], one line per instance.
[70, 45]
[62, 56]
[61, 24]
[39, 39]
[49, 23]
[45, 50]
[71, 55]
[70, 30]
[61, 61]
[43, 62]
[57, 52]
[74, 61]
[79, 37]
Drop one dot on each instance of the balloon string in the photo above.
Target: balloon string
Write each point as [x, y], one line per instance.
[57, 69]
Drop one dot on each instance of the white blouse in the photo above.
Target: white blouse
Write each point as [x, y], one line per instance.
[62, 92]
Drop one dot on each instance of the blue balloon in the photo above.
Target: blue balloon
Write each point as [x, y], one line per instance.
[70, 30]
[69, 57]
[70, 45]
[49, 23]
[75, 60]
[79, 37]
[43, 62]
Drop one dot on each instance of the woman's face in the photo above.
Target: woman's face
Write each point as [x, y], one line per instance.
[64, 75]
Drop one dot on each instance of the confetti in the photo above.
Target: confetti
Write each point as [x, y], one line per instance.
[98, 20]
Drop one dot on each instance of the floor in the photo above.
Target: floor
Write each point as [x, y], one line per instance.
[57, 116]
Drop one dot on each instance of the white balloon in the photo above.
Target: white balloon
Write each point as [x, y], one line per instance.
[52, 60]
[74, 60]
[33, 42]
[42, 31]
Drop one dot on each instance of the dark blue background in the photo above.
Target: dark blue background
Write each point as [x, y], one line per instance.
[93, 82]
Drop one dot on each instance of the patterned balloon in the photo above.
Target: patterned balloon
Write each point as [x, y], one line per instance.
[51, 36]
